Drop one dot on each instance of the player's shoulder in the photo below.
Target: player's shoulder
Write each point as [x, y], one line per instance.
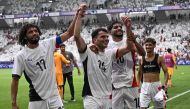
[47, 42]
[20, 55]
[21, 52]
[57, 54]
[60, 55]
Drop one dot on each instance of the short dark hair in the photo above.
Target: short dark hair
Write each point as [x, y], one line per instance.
[169, 50]
[109, 27]
[151, 40]
[22, 34]
[62, 45]
[96, 31]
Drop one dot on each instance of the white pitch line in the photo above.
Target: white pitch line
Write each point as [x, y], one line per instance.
[178, 95]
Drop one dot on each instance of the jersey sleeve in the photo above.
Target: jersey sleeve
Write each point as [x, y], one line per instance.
[18, 66]
[52, 43]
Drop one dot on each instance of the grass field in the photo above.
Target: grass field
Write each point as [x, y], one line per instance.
[180, 81]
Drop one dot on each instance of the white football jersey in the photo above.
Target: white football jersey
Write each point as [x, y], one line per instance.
[97, 68]
[123, 68]
[39, 68]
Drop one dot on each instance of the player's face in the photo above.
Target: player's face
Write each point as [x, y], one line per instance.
[149, 47]
[62, 48]
[102, 40]
[117, 30]
[32, 35]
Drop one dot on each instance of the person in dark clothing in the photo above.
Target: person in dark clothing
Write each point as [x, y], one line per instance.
[68, 70]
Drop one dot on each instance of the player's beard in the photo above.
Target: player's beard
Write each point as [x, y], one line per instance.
[34, 40]
[119, 35]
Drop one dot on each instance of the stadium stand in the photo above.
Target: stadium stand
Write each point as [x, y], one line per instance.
[170, 31]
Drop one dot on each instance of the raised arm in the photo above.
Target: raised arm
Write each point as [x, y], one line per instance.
[138, 48]
[14, 90]
[70, 31]
[81, 45]
[132, 44]
[127, 22]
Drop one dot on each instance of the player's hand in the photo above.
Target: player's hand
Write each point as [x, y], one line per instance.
[82, 9]
[127, 21]
[67, 65]
[94, 48]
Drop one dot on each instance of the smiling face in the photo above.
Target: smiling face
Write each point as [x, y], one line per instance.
[32, 35]
[101, 40]
[149, 47]
[116, 30]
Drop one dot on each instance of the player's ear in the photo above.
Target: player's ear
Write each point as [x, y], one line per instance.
[93, 40]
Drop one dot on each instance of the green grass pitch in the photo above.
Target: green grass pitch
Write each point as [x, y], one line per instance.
[180, 81]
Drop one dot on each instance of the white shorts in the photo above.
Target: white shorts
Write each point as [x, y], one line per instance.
[91, 102]
[125, 98]
[54, 102]
[148, 92]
